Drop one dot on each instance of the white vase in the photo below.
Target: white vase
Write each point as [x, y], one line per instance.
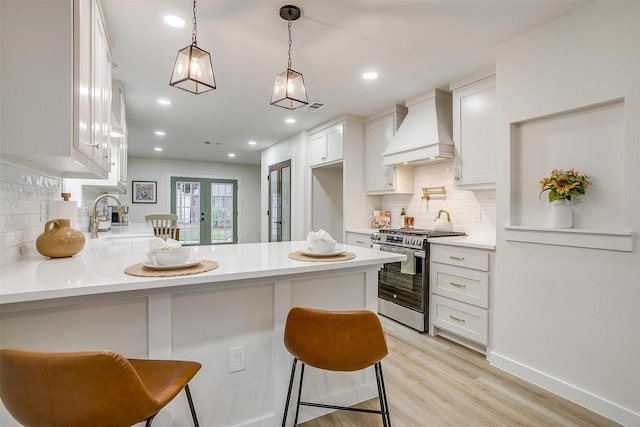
[561, 214]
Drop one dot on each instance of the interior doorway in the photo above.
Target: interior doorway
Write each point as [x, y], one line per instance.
[207, 210]
[279, 213]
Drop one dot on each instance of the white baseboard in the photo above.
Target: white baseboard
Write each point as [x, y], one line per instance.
[600, 405]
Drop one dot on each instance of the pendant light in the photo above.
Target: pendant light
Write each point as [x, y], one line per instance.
[288, 90]
[193, 70]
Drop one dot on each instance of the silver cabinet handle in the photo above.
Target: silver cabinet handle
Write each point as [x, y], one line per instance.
[361, 242]
[458, 285]
[457, 319]
[457, 258]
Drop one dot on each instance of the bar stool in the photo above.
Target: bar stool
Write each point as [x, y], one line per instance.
[335, 341]
[92, 388]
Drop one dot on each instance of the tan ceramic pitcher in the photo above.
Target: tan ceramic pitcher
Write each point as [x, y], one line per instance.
[59, 240]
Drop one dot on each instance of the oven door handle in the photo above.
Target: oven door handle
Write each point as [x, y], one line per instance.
[398, 250]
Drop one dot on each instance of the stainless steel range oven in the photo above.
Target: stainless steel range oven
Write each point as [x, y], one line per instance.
[403, 288]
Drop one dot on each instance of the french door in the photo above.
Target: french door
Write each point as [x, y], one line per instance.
[280, 202]
[207, 210]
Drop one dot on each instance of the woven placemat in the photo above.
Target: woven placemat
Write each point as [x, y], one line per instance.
[299, 256]
[142, 271]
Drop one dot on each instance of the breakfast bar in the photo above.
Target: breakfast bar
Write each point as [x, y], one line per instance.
[88, 302]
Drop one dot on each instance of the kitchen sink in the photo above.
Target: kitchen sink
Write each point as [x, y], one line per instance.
[124, 236]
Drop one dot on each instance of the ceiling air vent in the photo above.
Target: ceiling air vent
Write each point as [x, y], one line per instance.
[314, 107]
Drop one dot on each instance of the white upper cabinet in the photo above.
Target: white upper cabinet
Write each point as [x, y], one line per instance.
[116, 182]
[55, 84]
[475, 133]
[326, 145]
[336, 187]
[379, 132]
[101, 94]
[118, 104]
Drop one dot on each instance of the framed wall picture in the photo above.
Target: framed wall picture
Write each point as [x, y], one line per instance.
[145, 191]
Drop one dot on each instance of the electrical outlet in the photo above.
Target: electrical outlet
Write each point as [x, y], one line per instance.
[236, 358]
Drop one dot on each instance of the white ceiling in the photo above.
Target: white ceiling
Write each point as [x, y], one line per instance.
[414, 45]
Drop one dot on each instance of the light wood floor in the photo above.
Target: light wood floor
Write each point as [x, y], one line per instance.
[433, 382]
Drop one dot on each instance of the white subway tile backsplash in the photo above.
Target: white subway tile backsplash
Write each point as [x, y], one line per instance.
[24, 195]
[473, 212]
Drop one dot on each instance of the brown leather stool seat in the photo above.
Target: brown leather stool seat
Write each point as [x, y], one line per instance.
[335, 341]
[89, 389]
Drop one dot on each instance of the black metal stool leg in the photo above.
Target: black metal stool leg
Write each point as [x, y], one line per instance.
[149, 420]
[380, 397]
[295, 422]
[286, 405]
[384, 404]
[191, 407]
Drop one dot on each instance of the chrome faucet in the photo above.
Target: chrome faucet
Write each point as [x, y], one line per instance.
[94, 219]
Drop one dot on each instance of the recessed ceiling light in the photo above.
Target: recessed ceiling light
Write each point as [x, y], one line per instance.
[174, 21]
[252, 143]
[290, 120]
[158, 148]
[231, 154]
[370, 75]
[160, 133]
[164, 102]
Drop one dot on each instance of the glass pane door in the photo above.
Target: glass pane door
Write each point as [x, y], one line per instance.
[286, 202]
[206, 209]
[223, 207]
[187, 207]
[275, 222]
[280, 202]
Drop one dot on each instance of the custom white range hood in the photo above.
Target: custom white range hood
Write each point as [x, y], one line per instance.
[425, 134]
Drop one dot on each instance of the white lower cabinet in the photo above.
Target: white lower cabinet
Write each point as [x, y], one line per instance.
[459, 304]
[358, 239]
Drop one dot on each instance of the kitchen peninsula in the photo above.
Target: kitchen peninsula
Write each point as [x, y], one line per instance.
[88, 302]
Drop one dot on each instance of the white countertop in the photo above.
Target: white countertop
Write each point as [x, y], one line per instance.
[466, 241]
[362, 230]
[99, 267]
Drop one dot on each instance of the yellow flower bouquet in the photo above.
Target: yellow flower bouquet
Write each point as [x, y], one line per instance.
[564, 184]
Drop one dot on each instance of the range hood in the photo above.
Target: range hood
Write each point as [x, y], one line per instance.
[425, 135]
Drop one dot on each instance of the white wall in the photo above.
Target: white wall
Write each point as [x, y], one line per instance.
[161, 170]
[295, 149]
[568, 318]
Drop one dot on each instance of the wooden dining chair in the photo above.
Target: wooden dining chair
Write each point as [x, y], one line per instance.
[164, 225]
[91, 388]
[335, 341]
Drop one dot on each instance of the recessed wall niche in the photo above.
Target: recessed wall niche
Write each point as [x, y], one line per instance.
[590, 140]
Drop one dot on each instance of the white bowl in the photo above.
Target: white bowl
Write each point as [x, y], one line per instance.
[169, 256]
[322, 246]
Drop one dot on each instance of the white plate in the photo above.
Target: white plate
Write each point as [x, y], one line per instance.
[171, 266]
[317, 255]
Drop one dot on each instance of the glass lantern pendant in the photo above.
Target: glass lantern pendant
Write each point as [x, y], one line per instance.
[193, 70]
[288, 90]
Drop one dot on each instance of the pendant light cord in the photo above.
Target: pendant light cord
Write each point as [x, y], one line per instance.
[289, 27]
[194, 33]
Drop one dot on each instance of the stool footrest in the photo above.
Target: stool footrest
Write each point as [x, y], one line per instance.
[344, 408]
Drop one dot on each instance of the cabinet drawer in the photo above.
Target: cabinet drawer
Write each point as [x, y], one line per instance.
[461, 319]
[462, 284]
[358, 239]
[461, 257]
